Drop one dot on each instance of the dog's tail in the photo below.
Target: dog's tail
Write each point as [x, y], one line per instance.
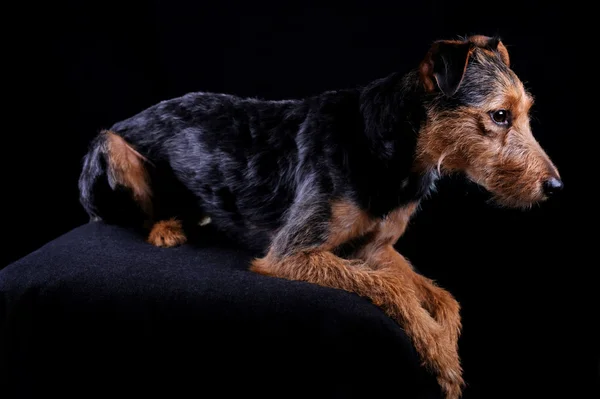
[114, 185]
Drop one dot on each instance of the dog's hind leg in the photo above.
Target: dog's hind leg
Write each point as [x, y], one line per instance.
[128, 168]
[114, 186]
[167, 233]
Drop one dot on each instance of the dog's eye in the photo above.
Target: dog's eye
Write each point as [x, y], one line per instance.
[500, 117]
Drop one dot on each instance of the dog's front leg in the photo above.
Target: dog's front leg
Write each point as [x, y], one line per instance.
[302, 251]
[437, 301]
[387, 289]
[379, 254]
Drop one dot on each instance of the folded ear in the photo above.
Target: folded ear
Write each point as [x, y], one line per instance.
[445, 65]
[493, 44]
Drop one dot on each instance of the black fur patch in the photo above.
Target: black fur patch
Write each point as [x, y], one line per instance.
[266, 168]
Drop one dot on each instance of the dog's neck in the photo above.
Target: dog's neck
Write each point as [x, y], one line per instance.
[393, 111]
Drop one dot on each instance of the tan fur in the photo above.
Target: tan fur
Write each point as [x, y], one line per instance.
[387, 289]
[348, 221]
[167, 233]
[503, 53]
[127, 168]
[429, 314]
[505, 159]
[481, 41]
[510, 163]
[391, 228]
[380, 254]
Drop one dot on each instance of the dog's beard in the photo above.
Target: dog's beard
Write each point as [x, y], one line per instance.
[512, 195]
[506, 190]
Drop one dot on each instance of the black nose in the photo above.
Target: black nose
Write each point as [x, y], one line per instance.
[552, 186]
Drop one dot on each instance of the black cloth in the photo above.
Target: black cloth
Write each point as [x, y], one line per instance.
[98, 311]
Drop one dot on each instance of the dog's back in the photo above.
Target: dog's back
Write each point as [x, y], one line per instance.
[239, 160]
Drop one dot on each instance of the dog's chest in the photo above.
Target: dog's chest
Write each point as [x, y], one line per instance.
[399, 193]
[390, 228]
[349, 222]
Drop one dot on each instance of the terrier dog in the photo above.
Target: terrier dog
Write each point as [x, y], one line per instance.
[298, 180]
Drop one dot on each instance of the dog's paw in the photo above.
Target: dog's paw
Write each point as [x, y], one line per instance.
[452, 383]
[167, 233]
[449, 371]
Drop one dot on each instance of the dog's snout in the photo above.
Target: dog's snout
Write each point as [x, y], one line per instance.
[552, 186]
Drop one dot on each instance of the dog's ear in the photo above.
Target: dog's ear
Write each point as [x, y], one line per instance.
[493, 44]
[445, 65]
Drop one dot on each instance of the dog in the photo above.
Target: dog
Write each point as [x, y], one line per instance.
[323, 187]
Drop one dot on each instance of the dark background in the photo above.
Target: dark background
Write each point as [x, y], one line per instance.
[527, 290]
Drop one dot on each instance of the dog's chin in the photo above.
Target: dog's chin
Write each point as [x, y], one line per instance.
[524, 199]
[513, 202]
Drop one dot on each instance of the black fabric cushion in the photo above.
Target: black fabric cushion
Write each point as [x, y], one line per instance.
[100, 312]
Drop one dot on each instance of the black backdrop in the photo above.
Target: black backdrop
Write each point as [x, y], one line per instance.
[80, 66]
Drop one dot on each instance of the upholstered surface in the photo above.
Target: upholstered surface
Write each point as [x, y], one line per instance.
[100, 312]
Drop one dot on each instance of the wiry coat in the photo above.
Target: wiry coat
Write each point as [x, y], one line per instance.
[247, 160]
[297, 180]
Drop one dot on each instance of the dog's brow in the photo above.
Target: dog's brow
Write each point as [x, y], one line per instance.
[526, 101]
[530, 100]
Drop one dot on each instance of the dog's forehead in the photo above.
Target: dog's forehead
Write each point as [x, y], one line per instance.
[490, 83]
[514, 98]
[486, 64]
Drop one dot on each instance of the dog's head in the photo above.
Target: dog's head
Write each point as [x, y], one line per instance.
[478, 122]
